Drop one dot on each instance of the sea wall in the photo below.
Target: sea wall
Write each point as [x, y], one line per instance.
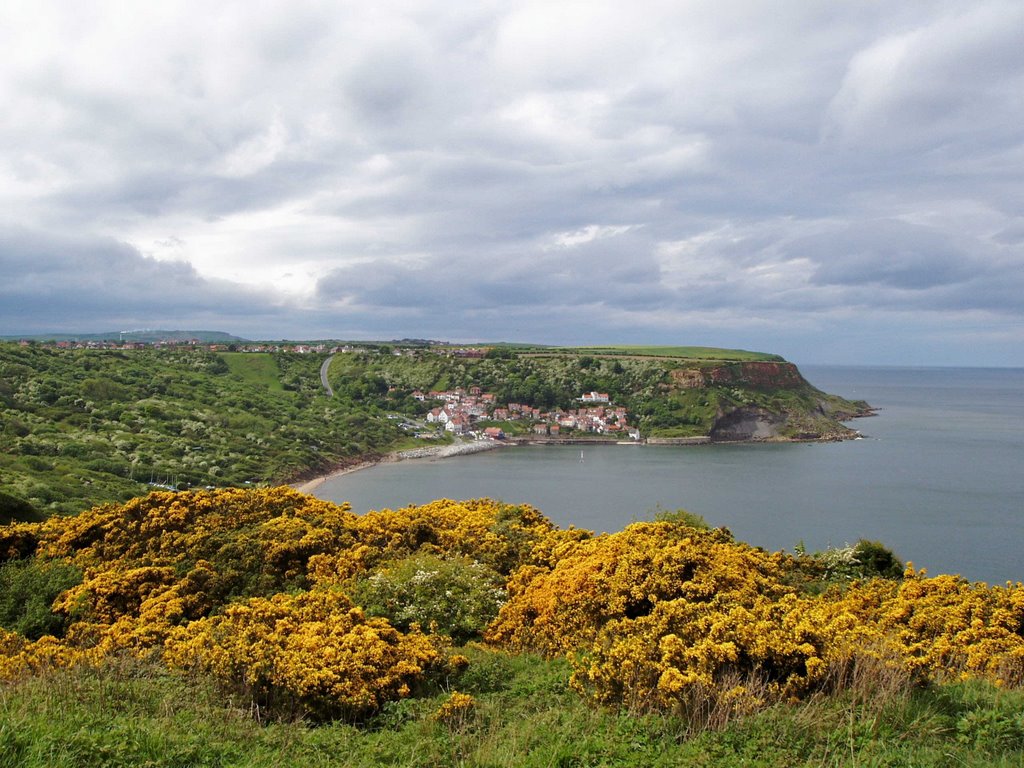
[444, 451]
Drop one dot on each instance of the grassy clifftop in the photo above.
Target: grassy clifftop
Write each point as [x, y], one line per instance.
[713, 354]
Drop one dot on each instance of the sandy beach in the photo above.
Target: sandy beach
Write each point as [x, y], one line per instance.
[430, 452]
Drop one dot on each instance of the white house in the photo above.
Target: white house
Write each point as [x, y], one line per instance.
[439, 416]
[457, 425]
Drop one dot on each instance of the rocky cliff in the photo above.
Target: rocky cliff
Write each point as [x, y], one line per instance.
[769, 401]
[756, 375]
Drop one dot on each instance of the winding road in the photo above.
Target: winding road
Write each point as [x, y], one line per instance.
[323, 376]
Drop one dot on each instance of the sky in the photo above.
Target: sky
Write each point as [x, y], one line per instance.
[836, 182]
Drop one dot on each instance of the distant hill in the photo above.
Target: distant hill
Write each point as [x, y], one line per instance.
[146, 336]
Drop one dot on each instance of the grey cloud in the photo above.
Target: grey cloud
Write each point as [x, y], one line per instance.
[614, 273]
[1013, 234]
[384, 85]
[878, 265]
[58, 283]
[422, 164]
[927, 87]
[887, 253]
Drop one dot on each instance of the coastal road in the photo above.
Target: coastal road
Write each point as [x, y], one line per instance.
[323, 376]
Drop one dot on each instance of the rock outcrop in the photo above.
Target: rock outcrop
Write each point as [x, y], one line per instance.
[769, 401]
[756, 375]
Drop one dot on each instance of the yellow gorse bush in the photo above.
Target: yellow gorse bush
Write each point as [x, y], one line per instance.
[251, 587]
[272, 530]
[237, 584]
[626, 575]
[961, 628]
[19, 657]
[314, 653]
[663, 616]
[457, 711]
[498, 535]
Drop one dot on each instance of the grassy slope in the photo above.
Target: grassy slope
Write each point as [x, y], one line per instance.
[132, 715]
[257, 369]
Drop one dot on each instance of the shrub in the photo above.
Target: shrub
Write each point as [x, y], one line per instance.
[457, 712]
[457, 597]
[682, 517]
[957, 629]
[863, 560]
[875, 559]
[313, 653]
[14, 509]
[27, 591]
[626, 575]
[498, 535]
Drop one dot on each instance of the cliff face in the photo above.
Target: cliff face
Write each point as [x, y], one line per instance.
[756, 375]
[754, 424]
[748, 424]
[768, 401]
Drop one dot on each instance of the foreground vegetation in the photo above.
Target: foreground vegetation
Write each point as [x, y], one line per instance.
[130, 714]
[266, 627]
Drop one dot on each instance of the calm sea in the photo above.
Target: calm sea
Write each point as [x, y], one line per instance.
[938, 476]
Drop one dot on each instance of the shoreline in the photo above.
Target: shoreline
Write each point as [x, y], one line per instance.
[466, 449]
[412, 454]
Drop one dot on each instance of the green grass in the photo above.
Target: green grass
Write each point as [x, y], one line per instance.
[690, 353]
[136, 714]
[259, 369]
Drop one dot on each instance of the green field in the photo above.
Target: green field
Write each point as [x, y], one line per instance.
[689, 353]
[257, 368]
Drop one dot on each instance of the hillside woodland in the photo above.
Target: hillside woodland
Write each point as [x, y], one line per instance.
[83, 427]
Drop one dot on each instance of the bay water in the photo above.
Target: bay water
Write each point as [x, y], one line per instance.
[938, 476]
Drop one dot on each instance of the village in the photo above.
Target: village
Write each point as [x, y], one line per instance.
[127, 345]
[302, 348]
[462, 410]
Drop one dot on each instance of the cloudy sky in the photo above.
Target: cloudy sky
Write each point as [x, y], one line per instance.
[834, 182]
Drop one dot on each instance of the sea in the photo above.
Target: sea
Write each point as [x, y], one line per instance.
[937, 476]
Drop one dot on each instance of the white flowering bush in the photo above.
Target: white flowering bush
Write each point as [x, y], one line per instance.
[840, 562]
[455, 596]
[863, 560]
